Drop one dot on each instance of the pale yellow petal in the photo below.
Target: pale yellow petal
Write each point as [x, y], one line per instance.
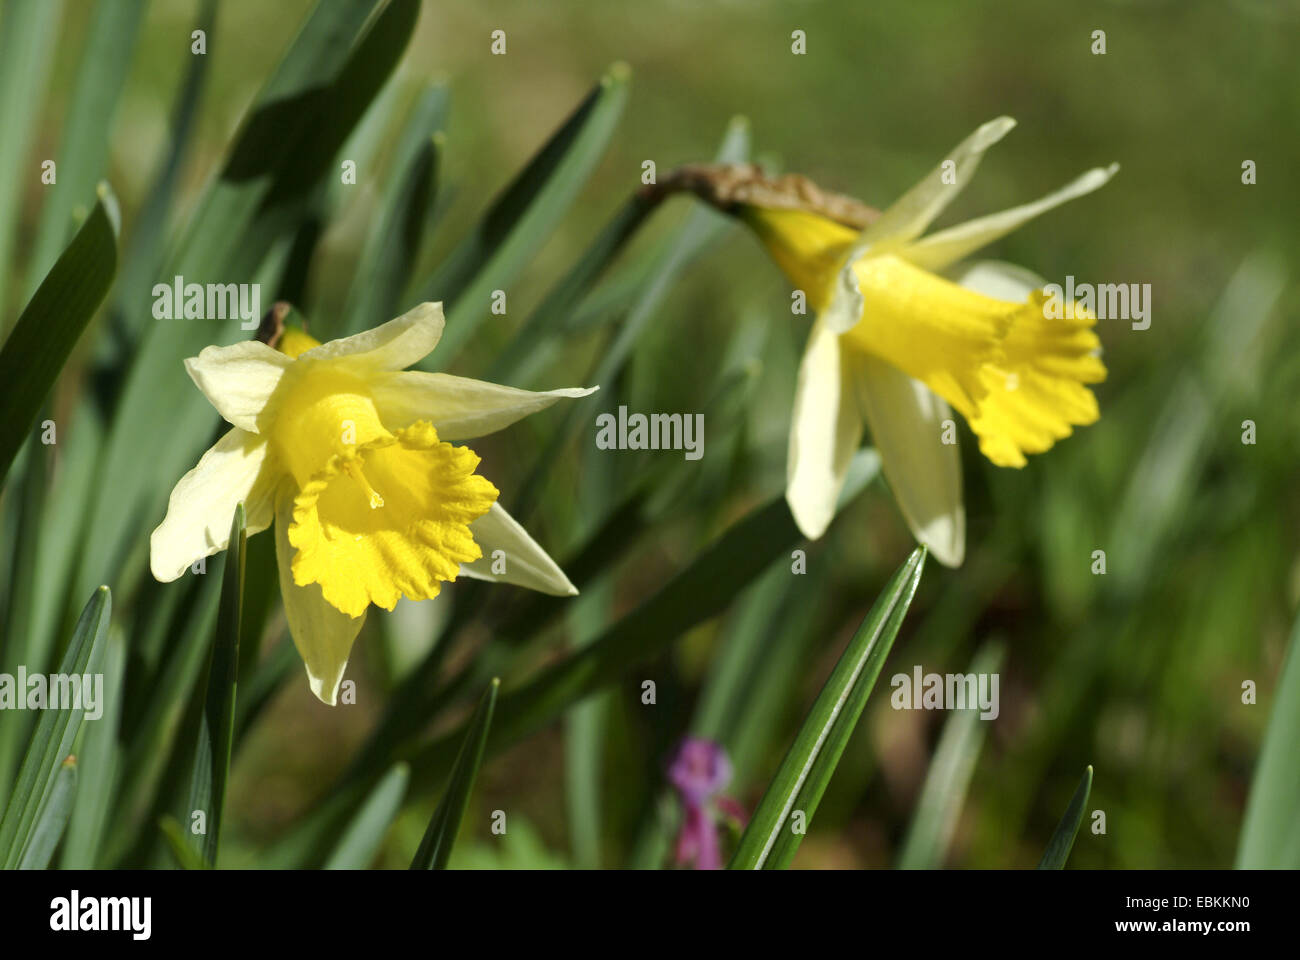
[239, 379]
[996, 279]
[459, 408]
[909, 216]
[202, 504]
[825, 431]
[323, 635]
[394, 345]
[908, 425]
[520, 560]
[946, 247]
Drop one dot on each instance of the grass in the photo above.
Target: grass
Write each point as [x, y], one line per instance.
[1138, 672]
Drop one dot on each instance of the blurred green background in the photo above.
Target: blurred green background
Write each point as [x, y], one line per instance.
[1138, 672]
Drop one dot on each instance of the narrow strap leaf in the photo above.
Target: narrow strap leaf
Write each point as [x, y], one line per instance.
[435, 849]
[1058, 848]
[51, 324]
[791, 799]
[55, 732]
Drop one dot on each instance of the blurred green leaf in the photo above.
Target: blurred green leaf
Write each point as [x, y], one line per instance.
[698, 592]
[770, 840]
[738, 705]
[702, 227]
[934, 818]
[217, 723]
[53, 819]
[143, 257]
[264, 682]
[261, 599]
[1270, 830]
[83, 152]
[51, 324]
[1171, 462]
[100, 754]
[171, 767]
[360, 842]
[404, 212]
[29, 31]
[56, 730]
[152, 737]
[19, 645]
[645, 496]
[586, 726]
[179, 845]
[519, 358]
[1058, 848]
[286, 145]
[524, 217]
[57, 537]
[590, 728]
[521, 848]
[435, 848]
[727, 699]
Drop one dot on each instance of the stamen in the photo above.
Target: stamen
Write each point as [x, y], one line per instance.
[353, 469]
[1010, 379]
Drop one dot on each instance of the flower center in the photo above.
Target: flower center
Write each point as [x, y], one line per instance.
[325, 413]
[363, 548]
[353, 470]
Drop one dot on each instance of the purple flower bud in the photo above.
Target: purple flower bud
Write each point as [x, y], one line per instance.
[699, 771]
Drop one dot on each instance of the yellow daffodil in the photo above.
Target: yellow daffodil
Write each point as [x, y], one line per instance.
[348, 454]
[904, 329]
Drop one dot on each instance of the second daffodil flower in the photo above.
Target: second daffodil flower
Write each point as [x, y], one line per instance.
[906, 327]
[348, 454]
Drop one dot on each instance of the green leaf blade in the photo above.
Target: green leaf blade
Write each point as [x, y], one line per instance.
[769, 842]
[1062, 841]
[935, 818]
[29, 33]
[359, 843]
[216, 730]
[389, 255]
[1270, 831]
[53, 820]
[435, 848]
[514, 363]
[83, 153]
[701, 227]
[53, 321]
[55, 733]
[325, 81]
[100, 754]
[524, 216]
[701, 590]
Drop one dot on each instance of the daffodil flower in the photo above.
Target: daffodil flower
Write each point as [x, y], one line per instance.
[905, 329]
[348, 454]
